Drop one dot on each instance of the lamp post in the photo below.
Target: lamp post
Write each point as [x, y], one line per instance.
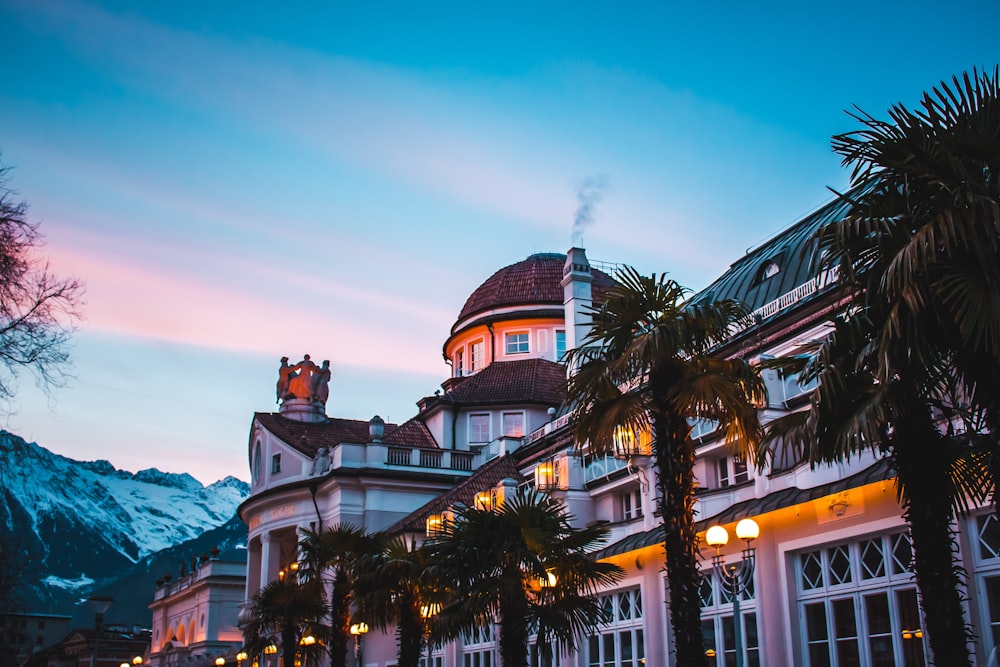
[358, 630]
[241, 657]
[100, 605]
[737, 577]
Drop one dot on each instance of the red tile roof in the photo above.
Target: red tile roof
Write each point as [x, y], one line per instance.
[488, 476]
[308, 437]
[511, 382]
[534, 280]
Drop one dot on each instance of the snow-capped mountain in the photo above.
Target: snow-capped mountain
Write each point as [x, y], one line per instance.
[81, 524]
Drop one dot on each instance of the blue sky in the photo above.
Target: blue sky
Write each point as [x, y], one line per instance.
[236, 182]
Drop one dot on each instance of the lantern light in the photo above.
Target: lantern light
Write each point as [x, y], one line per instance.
[359, 628]
[717, 536]
[220, 661]
[748, 530]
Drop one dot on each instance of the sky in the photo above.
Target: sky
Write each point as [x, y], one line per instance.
[239, 181]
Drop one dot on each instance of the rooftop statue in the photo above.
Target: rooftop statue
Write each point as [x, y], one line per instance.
[304, 380]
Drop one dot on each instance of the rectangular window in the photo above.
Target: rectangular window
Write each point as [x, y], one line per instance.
[459, 364]
[479, 428]
[513, 424]
[517, 343]
[631, 505]
[276, 464]
[560, 345]
[478, 356]
[732, 471]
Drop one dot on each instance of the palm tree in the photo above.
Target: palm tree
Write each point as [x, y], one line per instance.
[912, 369]
[285, 611]
[646, 366]
[523, 566]
[389, 592]
[330, 556]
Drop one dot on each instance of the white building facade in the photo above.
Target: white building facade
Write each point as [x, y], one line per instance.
[832, 583]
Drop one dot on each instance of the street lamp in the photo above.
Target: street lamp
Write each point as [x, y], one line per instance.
[137, 660]
[358, 630]
[737, 577]
[100, 604]
[220, 661]
[241, 657]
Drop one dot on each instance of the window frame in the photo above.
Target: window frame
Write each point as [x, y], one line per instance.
[489, 427]
[503, 423]
[518, 343]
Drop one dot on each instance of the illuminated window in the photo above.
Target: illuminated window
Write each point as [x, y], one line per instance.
[479, 428]
[517, 343]
[560, 344]
[459, 363]
[276, 464]
[513, 424]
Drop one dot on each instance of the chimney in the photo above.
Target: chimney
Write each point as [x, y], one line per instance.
[577, 296]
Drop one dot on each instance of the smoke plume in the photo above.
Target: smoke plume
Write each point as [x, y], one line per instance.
[589, 192]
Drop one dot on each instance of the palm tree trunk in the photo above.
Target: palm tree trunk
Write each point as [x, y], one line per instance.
[514, 631]
[289, 645]
[410, 635]
[340, 619]
[921, 464]
[675, 475]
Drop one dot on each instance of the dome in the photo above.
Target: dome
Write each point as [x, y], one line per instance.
[533, 281]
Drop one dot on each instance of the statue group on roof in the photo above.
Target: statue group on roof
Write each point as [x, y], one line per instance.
[304, 380]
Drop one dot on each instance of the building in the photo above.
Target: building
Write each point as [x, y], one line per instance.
[22, 634]
[832, 584]
[112, 646]
[194, 616]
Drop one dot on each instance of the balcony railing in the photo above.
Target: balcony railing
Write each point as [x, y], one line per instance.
[429, 458]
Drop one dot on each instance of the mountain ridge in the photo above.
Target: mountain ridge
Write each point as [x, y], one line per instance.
[82, 524]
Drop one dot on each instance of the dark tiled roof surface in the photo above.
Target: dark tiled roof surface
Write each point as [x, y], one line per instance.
[789, 497]
[531, 281]
[488, 476]
[521, 381]
[308, 437]
[791, 251]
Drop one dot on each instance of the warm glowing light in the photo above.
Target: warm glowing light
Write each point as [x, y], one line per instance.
[270, 649]
[308, 640]
[281, 574]
[484, 500]
[435, 524]
[907, 634]
[241, 656]
[748, 530]
[548, 581]
[545, 476]
[124, 664]
[628, 444]
[710, 653]
[918, 633]
[293, 567]
[137, 660]
[359, 628]
[717, 536]
[430, 610]
[220, 661]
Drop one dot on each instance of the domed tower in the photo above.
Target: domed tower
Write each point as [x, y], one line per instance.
[528, 310]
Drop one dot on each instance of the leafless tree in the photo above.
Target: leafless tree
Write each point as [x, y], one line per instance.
[38, 311]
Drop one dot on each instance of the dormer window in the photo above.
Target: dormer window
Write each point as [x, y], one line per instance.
[459, 364]
[275, 464]
[517, 343]
[478, 356]
[768, 269]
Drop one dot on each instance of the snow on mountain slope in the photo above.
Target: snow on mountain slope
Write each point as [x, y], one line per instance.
[84, 520]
